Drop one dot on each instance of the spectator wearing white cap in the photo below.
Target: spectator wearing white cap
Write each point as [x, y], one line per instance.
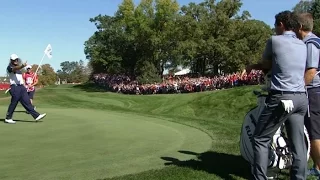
[30, 80]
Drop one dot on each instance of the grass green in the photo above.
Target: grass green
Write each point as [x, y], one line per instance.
[143, 142]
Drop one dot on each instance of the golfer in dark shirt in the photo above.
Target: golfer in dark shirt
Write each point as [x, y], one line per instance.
[18, 91]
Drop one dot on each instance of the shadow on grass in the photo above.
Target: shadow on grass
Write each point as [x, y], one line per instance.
[220, 164]
[23, 121]
[90, 87]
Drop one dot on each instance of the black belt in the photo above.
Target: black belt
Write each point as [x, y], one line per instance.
[16, 85]
[318, 87]
[286, 92]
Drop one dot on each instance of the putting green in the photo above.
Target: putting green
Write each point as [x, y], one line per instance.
[91, 144]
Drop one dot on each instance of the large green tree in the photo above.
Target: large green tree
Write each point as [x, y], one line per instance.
[303, 6]
[313, 7]
[208, 37]
[46, 74]
[315, 11]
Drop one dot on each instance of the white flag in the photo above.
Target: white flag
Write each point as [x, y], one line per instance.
[48, 51]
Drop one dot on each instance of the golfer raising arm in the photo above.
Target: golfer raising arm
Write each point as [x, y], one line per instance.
[18, 91]
[287, 101]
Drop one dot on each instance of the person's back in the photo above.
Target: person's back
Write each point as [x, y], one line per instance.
[312, 81]
[286, 101]
[288, 63]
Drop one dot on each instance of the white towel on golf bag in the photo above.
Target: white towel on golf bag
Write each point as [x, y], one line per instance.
[287, 105]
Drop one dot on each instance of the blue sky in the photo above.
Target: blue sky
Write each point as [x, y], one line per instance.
[27, 27]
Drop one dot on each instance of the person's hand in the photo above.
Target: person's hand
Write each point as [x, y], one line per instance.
[24, 64]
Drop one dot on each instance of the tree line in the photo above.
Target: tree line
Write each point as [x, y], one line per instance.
[209, 37]
[73, 72]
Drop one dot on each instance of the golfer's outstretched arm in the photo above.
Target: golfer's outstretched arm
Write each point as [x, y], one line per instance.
[266, 61]
[11, 69]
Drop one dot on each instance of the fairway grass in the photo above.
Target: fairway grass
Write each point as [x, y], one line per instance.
[99, 135]
[90, 144]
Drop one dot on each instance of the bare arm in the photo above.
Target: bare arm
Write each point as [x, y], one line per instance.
[15, 68]
[35, 80]
[309, 75]
[312, 63]
[266, 61]
[263, 65]
[11, 69]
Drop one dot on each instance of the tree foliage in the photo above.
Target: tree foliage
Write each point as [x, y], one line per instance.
[142, 40]
[46, 74]
[73, 72]
[303, 6]
[313, 7]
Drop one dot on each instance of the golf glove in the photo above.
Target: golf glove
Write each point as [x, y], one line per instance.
[287, 105]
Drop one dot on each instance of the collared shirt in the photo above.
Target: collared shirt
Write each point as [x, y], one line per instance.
[15, 77]
[313, 57]
[288, 55]
[29, 79]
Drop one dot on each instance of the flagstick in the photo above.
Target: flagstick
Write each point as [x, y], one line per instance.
[44, 54]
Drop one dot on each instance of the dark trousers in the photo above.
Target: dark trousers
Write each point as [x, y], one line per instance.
[31, 94]
[271, 118]
[19, 94]
[312, 123]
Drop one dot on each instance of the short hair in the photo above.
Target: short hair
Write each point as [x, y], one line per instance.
[288, 19]
[306, 21]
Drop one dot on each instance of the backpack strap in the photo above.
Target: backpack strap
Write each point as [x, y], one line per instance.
[314, 41]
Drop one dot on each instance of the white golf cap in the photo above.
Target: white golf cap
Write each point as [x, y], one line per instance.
[28, 67]
[14, 57]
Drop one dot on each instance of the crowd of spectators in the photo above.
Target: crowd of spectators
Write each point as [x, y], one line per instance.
[4, 84]
[176, 84]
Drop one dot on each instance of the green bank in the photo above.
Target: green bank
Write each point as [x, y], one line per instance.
[91, 134]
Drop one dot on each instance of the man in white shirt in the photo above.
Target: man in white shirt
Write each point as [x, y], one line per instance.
[18, 91]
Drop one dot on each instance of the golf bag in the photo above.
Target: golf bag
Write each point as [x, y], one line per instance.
[280, 156]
